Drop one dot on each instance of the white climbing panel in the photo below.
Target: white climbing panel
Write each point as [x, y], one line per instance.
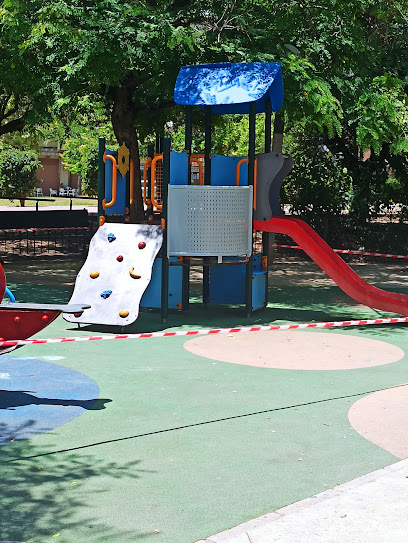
[116, 273]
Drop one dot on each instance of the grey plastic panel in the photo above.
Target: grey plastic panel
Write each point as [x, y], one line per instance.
[209, 221]
[70, 308]
[268, 167]
[274, 191]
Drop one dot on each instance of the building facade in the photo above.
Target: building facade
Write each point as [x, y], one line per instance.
[53, 174]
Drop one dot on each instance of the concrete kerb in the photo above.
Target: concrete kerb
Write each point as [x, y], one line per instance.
[261, 529]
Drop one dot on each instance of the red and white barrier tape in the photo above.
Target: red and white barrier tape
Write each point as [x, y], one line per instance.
[346, 251]
[203, 332]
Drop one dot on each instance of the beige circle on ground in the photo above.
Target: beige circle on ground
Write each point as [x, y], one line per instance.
[295, 350]
[380, 418]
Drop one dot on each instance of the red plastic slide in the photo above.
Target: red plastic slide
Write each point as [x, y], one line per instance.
[334, 266]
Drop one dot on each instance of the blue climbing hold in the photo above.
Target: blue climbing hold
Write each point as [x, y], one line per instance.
[106, 293]
[111, 237]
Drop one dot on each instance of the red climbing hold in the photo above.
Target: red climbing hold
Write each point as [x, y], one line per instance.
[119, 258]
[142, 245]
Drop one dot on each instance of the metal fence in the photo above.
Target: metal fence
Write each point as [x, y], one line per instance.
[44, 241]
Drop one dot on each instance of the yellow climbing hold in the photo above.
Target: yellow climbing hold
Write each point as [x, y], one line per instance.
[133, 274]
[123, 313]
[94, 274]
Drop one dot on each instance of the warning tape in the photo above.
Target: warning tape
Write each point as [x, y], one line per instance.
[203, 332]
[346, 251]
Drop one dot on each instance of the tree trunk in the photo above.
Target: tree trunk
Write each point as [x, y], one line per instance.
[123, 122]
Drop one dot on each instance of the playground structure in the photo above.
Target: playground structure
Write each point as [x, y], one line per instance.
[204, 210]
[21, 321]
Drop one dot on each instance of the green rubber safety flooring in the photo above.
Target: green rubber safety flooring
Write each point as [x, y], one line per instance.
[184, 446]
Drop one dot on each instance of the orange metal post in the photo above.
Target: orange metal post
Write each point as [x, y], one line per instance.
[114, 173]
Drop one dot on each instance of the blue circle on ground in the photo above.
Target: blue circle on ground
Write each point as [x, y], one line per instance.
[37, 396]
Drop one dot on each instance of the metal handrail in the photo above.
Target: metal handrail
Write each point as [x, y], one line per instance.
[195, 159]
[114, 176]
[238, 175]
[147, 164]
[158, 157]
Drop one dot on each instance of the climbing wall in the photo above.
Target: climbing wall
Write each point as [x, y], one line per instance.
[116, 273]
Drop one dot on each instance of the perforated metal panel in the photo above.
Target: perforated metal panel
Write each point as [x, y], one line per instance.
[209, 221]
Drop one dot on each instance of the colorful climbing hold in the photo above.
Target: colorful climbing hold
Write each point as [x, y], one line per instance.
[111, 237]
[45, 318]
[133, 274]
[94, 274]
[17, 319]
[119, 258]
[105, 294]
[142, 245]
[123, 313]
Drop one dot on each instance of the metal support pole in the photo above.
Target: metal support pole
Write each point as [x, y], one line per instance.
[278, 126]
[207, 146]
[185, 285]
[207, 181]
[101, 176]
[188, 140]
[251, 172]
[268, 125]
[165, 260]
[268, 238]
[127, 188]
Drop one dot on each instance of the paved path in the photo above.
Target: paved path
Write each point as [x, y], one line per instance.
[369, 509]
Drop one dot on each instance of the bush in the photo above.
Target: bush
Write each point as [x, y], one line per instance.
[89, 179]
[17, 172]
[319, 186]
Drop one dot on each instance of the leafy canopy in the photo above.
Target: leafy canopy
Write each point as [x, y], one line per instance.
[18, 172]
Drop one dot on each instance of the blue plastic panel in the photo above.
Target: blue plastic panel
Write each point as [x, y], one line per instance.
[227, 284]
[230, 88]
[223, 171]
[119, 206]
[152, 295]
[178, 168]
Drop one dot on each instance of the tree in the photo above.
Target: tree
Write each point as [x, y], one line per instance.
[351, 95]
[344, 64]
[17, 172]
[27, 77]
[129, 52]
[81, 131]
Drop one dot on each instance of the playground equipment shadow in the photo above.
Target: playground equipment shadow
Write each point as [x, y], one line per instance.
[187, 446]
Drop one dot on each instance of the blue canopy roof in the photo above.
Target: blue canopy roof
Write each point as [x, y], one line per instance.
[230, 88]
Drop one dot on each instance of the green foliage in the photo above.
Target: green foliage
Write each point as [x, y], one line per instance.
[229, 135]
[382, 112]
[17, 171]
[319, 185]
[80, 153]
[313, 106]
[90, 178]
[80, 136]
[345, 66]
